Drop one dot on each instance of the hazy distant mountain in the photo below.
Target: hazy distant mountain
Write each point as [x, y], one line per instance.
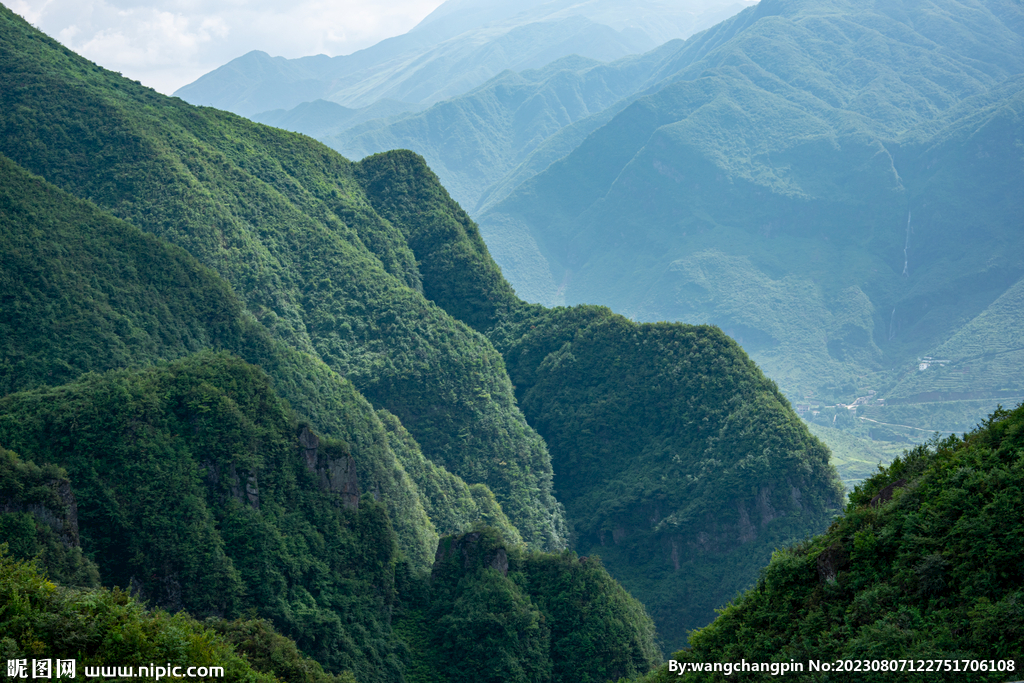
[839, 186]
[457, 47]
[475, 140]
[322, 119]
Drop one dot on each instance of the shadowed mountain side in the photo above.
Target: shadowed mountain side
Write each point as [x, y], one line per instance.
[681, 503]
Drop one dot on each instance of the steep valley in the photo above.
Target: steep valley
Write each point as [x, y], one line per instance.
[274, 378]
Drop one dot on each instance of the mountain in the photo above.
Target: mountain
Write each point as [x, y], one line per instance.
[476, 140]
[204, 439]
[657, 476]
[924, 566]
[642, 421]
[281, 229]
[836, 185]
[870, 346]
[196, 486]
[95, 623]
[457, 47]
[169, 465]
[319, 359]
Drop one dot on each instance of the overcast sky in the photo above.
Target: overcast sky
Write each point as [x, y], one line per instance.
[169, 43]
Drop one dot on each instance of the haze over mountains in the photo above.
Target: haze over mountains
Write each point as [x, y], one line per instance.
[457, 47]
[837, 185]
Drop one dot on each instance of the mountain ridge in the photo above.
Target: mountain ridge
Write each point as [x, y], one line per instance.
[712, 151]
[374, 307]
[441, 58]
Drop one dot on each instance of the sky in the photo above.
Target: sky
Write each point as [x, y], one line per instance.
[166, 44]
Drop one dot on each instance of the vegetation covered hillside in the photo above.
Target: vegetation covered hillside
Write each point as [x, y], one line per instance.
[282, 219]
[685, 492]
[39, 519]
[97, 293]
[808, 175]
[666, 440]
[96, 628]
[926, 564]
[835, 184]
[242, 315]
[492, 612]
[196, 489]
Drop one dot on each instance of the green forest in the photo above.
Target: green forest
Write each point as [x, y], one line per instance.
[924, 564]
[266, 408]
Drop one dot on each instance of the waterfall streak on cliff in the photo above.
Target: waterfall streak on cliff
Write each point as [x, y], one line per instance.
[906, 244]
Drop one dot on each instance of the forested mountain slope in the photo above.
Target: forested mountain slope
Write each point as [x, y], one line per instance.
[190, 494]
[138, 300]
[677, 460]
[834, 184]
[282, 220]
[369, 302]
[924, 565]
[84, 292]
[196, 485]
[110, 626]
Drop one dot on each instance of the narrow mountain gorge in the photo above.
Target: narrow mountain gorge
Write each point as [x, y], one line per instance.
[272, 378]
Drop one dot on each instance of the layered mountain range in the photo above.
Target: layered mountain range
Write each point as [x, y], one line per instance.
[836, 185]
[455, 48]
[266, 380]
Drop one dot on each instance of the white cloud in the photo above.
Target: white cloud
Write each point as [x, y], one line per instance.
[169, 43]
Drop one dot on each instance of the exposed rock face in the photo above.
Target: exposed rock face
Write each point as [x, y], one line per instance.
[499, 561]
[250, 493]
[166, 592]
[764, 506]
[794, 494]
[710, 535]
[885, 495]
[335, 468]
[60, 512]
[831, 561]
[468, 549]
